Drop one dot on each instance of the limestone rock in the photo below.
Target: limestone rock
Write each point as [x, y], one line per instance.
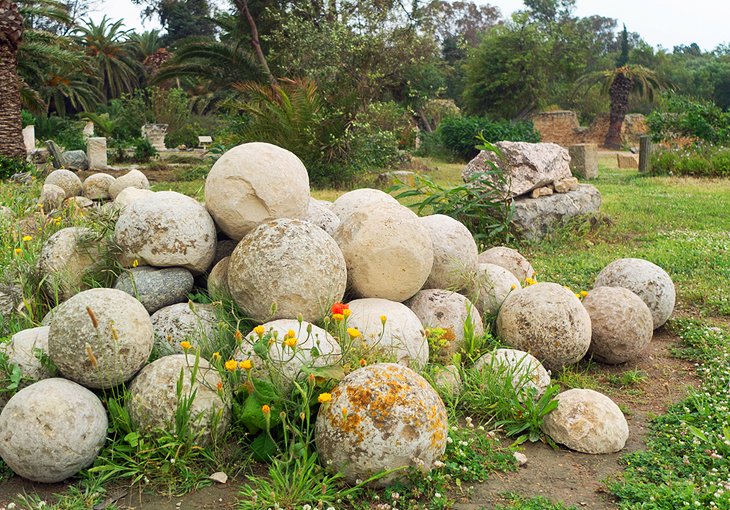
[455, 253]
[545, 191]
[156, 288]
[24, 350]
[75, 160]
[96, 186]
[52, 197]
[509, 259]
[627, 160]
[68, 181]
[349, 202]
[67, 257]
[322, 215]
[192, 322]
[6, 213]
[491, 287]
[447, 380]
[77, 203]
[10, 297]
[524, 369]
[584, 160]
[128, 196]
[132, 179]
[218, 279]
[566, 185]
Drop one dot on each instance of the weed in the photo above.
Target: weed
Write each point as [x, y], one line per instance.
[628, 378]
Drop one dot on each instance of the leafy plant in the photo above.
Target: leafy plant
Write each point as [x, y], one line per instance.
[12, 166]
[144, 151]
[685, 117]
[459, 134]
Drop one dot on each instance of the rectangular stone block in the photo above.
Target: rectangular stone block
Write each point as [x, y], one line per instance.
[566, 185]
[584, 160]
[628, 160]
[29, 138]
[96, 153]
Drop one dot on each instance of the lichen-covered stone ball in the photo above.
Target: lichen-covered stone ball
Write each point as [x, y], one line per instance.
[26, 349]
[525, 370]
[218, 279]
[509, 259]
[192, 322]
[349, 202]
[491, 287]
[52, 197]
[455, 253]
[96, 186]
[67, 258]
[68, 181]
[321, 214]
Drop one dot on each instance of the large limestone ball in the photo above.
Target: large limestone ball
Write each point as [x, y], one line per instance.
[128, 196]
[191, 322]
[388, 251]
[169, 230]
[100, 337]
[51, 430]
[548, 321]
[449, 311]
[349, 202]
[290, 263]
[156, 288]
[402, 337]
[523, 369]
[26, 349]
[509, 259]
[67, 259]
[68, 181]
[491, 287]
[621, 322]
[320, 213]
[648, 281]
[154, 397]
[96, 186]
[587, 421]
[455, 253]
[218, 279]
[132, 179]
[52, 197]
[383, 416]
[255, 183]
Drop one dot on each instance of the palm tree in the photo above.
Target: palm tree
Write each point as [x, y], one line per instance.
[11, 35]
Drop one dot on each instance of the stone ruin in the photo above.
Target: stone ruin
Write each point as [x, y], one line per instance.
[563, 127]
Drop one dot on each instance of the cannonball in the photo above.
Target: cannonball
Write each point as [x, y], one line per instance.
[255, 183]
[51, 430]
[321, 214]
[192, 322]
[648, 281]
[349, 202]
[509, 259]
[218, 279]
[525, 370]
[290, 263]
[491, 287]
[25, 350]
[455, 253]
[132, 179]
[52, 197]
[67, 258]
[548, 321]
[382, 416]
[447, 380]
[128, 196]
[68, 181]
[96, 186]
[100, 337]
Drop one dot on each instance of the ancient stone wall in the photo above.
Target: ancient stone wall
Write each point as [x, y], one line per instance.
[562, 127]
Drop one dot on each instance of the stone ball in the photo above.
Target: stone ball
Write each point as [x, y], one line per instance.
[509, 259]
[382, 416]
[525, 370]
[78, 203]
[648, 281]
[192, 322]
[128, 196]
[52, 197]
[447, 310]
[290, 263]
[68, 181]
[96, 186]
[402, 338]
[154, 401]
[447, 380]
[132, 179]
[322, 215]
[349, 202]
[25, 349]
[548, 321]
[389, 253]
[621, 323]
[223, 248]
[67, 258]
[169, 230]
[156, 288]
[100, 337]
[491, 287]
[218, 279]
[255, 183]
[587, 421]
[51, 430]
[455, 253]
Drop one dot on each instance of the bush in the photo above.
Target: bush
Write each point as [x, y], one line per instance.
[694, 160]
[684, 117]
[186, 135]
[144, 151]
[390, 117]
[65, 132]
[459, 134]
[12, 166]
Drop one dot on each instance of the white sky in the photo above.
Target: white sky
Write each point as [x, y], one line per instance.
[661, 23]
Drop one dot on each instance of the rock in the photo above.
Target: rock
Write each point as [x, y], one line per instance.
[447, 380]
[627, 160]
[22, 178]
[255, 183]
[192, 322]
[132, 179]
[96, 153]
[322, 216]
[128, 196]
[75, 160]
[55, 151]
[396, 178]
[509, 259]
[351, 201]
[455, 253]
[67, 258]
[96, 186]
[533, 219]
[566, 185]
[10, 297]
[156, 288]
[389, 252]
[169, 230]
[154, 401]
[219, 477]
[381, 417]
[449, 311]
[25, 349]
[526, 165]
[545, 191]
[6, 213]
[68, 181]
[218, 279]
[290, 263]
[587, 421]
[622, 325]
[491, 287]
[648, 281]
[548, 321]
[520, 459]
[51, 430]
[78, 202]
[584, 160]
[223, 249]
[524, 369]
[402, 337]
[100, 338]
[52, 197]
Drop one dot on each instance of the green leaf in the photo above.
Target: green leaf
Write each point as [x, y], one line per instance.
[263, 448]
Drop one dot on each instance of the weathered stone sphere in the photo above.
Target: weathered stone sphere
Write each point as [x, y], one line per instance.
[491, 287]
[389, 253]
[648, 281]
[291, 263]
[218, 279]
[128, 196]
[100, 337]
[192, 322]
[621, 323]
[587, 421]
[402, 337]
[525, 370]
[548, 321]
[447, 380]
[24, 348]
[132, 179]
[154, 402]
[320, 213]
[509, 259]
[447, 310]
[96, 186]
[68, 181]
[52, 197]
[67, 257]
[156, 288]
[455, 253]
[168, 230]
[51, 430]
[78, 203]
[349, 202]
[255, 183]
[381, 417]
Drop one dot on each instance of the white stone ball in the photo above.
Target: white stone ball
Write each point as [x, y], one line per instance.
[447, 380]
[389, 253]
[382, 416]
[509, 259]
[192, 322]
[587, 421]
[128, 196]
[52, 197]
[621, 323]
[100, 337]
[548, 321]
[291, 263]
[67, 257]
[132, 179]
[321, 214]
[491, 287]
[51, 430]
[169, 230]
[154, 401]
[68, 181]
[255, 183]
[402, 338]
[455, 253]
[96, 186]
[218, 279]
[648, 281]
[526, 371]
[24, 350]
[349, 202]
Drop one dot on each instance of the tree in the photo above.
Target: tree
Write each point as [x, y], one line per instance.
[11, 35]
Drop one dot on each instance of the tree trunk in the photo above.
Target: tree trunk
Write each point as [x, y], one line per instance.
[242, 6]
[11, 124]
[619, 94]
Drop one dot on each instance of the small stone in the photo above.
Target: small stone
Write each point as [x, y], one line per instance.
[78, 202]
[448, 380]
[545, 191]
[68, 181]
[156, 288]
[526, 371]
[10, 297]
[96, 186]
[132, 179]
[584, 160]
[455, 253]
[219, 477]
[565, 185]
[520, 458]
[25, 349]
[128, 196]
[509, 259]
[75, 160]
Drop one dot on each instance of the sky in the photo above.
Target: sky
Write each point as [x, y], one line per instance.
[663, 23]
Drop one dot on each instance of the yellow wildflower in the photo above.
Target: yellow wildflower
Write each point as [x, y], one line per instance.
[231, 365]
[324, 398]
[18, 251]
[246, 364]
[185, 345]
[265, 409]
[290, 342]
[363, 362]
[27, 238]
[514, 286]
[238, 336]
[259, 330]
[290, 334]
[216, 356]
[346, 312]
[338, 317]
[583, 293]
[383, 319]
[135, 263]
[353, 332]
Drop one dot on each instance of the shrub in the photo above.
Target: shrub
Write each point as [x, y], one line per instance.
[684, 117]
[698, 160]
[390, 117]
[144, 151]
[12, 166]
[186, 135]
[65, 132]
[459, 134]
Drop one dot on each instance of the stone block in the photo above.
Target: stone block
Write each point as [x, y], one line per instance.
[29, 138]
[584, 160]
[545, 191]
[628, 160]
[565, 185]
[96, 153]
